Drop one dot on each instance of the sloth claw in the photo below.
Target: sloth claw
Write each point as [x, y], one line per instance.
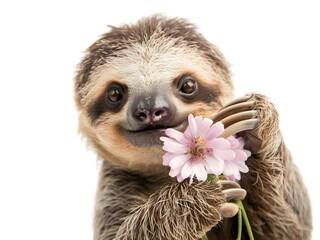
[234, 194]
[239, 100]
[228, 210]
[241, 126]
[232, 191]
[238, 116]
[226, 184]
[230, 110]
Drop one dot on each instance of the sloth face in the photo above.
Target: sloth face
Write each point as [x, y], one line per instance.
[138, 80]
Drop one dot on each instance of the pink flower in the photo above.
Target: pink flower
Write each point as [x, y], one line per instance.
[233, 168]
[199, 152]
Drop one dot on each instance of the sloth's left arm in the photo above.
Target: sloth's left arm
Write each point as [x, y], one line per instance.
[277, 202]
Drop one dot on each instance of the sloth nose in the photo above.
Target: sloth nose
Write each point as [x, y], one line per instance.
[151, 115]
[153, 110]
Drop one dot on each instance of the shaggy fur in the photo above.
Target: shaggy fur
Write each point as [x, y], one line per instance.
[282, 211]
[170, 209]
[135, 198]
[277, 202]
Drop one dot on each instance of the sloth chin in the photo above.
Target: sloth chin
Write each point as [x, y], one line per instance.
[149, 136]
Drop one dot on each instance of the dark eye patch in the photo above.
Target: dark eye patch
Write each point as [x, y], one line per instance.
[207, 94]
[99, 107]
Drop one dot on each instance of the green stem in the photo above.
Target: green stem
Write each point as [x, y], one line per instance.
[239, 224]
[245, 219]
[204, 237]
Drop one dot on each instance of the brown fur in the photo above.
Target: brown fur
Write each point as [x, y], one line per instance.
[282, 211]
[119, 38]
[135, 198]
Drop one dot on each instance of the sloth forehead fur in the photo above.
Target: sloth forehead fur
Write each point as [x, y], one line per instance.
[146, 58]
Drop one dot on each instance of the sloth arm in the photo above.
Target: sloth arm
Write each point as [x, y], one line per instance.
[277, 201]
[125, 209]
[118, 192]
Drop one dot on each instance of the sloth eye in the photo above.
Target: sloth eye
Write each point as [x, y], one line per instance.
[114, 95]
[187, 86]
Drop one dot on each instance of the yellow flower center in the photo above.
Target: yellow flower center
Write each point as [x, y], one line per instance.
[198, 149]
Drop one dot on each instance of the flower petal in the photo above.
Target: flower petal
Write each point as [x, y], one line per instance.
[186, 170]
[167, 157]
[241, 142]
[231, 178]
[206, 123]
[198, 120]
[168, 140]
[215, 165]
[191, 178]
[178, 161]
[234, 143]
[224, 154]
[237, 175]
[240, 155]
[247, 152]
[219, 143]
[176, 135]
[180, 178]
[176, 148]
[200, 172]
[230, 168]
[175, 172]
[187, 134]
[192, 126]
[242, 167]
[215, 130]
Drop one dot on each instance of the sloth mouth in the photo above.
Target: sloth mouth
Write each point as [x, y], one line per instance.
[150, 128]
[150, 135]
[156, 128]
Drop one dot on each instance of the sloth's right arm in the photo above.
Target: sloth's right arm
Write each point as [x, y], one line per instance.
[177, 211]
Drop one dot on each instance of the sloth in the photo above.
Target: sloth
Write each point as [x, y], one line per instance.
[139, 79]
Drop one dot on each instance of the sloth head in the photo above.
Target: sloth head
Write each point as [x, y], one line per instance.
[137, 80]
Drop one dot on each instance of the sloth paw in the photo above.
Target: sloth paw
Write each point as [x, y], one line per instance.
[232, 192]
[229, 191]
[254, 117]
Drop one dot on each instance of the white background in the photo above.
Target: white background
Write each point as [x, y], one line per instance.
[48, 178]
